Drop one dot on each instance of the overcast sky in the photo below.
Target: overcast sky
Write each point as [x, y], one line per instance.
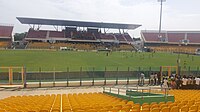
[177, 14]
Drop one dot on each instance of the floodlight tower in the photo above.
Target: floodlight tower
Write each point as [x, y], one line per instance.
[161, 3]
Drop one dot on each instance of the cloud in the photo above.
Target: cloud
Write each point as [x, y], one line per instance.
[176, 15]
[132, 3]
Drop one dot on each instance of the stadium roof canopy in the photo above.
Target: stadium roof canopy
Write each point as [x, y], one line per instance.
[55, 22]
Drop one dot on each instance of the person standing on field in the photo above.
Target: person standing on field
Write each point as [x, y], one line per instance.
[142, 78]
[151, 79]
[197, 83]
[155, 79]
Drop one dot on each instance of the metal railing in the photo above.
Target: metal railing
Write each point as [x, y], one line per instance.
[144, 91]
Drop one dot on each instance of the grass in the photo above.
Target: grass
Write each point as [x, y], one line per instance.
[61, 60]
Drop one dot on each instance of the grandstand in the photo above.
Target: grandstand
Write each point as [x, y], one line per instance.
[71, 36]
[172, 41]
[5, 36]
[132, 100]
[49, 74]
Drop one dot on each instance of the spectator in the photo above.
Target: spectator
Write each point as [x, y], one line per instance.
[165, 83]
[169, 81]
[189, 82]
[173, 83]
[197, 83]
[159, 78]
[184, 84]
[193, 83]
[151, 79]
[178, 82]
[141, 79]
[173, 75]
[155, 79]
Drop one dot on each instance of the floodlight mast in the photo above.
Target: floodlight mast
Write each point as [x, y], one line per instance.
[161, 3]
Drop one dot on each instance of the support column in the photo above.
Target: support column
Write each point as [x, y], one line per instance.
[169, 71]
[10, 76]
[22, 70]
[24, 76]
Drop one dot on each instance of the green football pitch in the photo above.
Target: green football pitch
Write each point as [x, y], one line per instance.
[61, 60]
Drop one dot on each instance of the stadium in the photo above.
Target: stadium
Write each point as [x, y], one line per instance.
[87, 66]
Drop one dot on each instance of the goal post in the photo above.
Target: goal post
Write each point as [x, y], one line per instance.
[169, 70]
[12, 76]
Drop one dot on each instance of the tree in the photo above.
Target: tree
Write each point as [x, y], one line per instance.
[19, 36]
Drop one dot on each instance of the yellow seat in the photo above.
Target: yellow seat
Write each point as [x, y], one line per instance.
[192, 111]
[163, 105]
[174, 109]
[180, 105]
[194, 107]
[154, 106]
[172, 105]
[1, 110]
[155, 110]
[144, 110]
[114, 110]
[165, 109]
[118, 107]
[91, 110]
[145, 104]
[152, 103]
[134, 110]
[44, 111]
[146, 107]
[169, 102]
[185, 102]
[125, 109]
[185, 108]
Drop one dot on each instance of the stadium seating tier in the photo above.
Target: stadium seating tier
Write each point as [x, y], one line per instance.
[56, 34]
[172, 37]
[36, 34]
[99, 102]
[6, 31]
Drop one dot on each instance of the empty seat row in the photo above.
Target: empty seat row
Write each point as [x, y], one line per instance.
[99, 102]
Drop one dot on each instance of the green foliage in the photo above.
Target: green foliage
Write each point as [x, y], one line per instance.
[19, 36]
